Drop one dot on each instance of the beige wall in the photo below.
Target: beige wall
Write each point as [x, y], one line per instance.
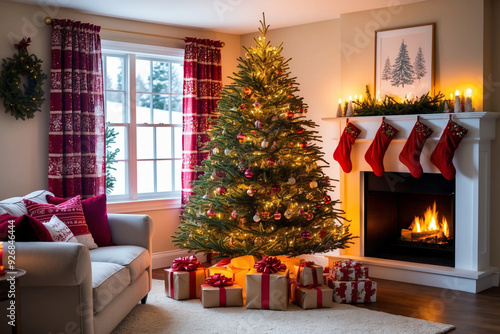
[23, 144]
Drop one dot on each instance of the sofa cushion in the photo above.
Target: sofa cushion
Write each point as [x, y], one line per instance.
[15, 205]
[26, 228]
[108, 281]
[135, 258]
[59, 231]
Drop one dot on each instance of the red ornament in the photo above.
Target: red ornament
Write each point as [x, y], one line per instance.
[306, 235]
[302, 211]
[241, 137]
[277, 215]
[256, 105]
[234, 214]
[258, 125]
[210, 212]
[327, 199]
[309, 216]
[303, 144]
[243, 107]
[221, 189]
[248, 173]
[271, 161]
[289, 115]
[322, 233]
[265, 214]
[248, 92]
[300, 129]
[251, 191]
[276, 188]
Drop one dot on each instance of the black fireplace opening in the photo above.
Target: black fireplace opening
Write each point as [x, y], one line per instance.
[410, 219]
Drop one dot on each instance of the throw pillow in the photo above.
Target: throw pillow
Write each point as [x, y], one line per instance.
[96, 216]
[59, 230]
[69, 212]
[26, 228]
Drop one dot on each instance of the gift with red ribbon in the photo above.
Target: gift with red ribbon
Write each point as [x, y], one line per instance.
[309, 297]
[348, 270]
[309, 273]
[220, 291]
[268, 285]
[351, 292]
[184, 278]
[236, 268]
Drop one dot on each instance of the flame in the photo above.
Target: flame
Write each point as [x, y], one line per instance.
[430, 222]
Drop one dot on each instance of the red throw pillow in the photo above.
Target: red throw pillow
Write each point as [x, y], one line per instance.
[26, 228]
[69, 212]
[96, 216]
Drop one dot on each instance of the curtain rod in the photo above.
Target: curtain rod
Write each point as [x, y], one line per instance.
[48, 21]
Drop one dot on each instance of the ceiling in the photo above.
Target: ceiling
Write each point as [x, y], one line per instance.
[229, 16]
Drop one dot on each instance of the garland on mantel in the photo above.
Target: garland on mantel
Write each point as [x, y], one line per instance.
[426, 104]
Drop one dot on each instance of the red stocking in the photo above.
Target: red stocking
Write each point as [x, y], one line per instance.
[410, 155]
[375, 154]
[343, 151]
[442, 157]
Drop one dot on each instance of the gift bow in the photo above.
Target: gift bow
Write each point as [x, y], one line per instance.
[307, 264]
[218, 280]
[269, 265]
[23, 44]
[188, 263]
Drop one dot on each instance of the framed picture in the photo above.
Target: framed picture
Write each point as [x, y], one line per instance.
[404, 61]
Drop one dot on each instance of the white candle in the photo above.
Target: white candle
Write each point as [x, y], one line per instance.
[468, 100]
[349, 112]
[457, 102]
[340, 110]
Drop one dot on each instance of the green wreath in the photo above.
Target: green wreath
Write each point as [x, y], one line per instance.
[22, 102]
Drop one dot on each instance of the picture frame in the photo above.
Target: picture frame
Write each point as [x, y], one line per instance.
[404, 61]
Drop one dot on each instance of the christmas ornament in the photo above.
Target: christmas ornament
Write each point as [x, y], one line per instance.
[248, 173]
[228, 151]
[270, 161]
[410, 155]
[375, 153]
[221, 190]
[322, 233]
[234, 214]
[258, 125]
[251, 191]
[22, 100]
[273, 147]
[248, 92]
[302, 211]
[264, 143]
[210, 212]
[309, 216]
[207, 195]
[276, 188]
[327, 199]
[313, 184]
[343, 151]
[289, 115]
[215, 151]
[258, 242]
[265, 214]
[277, 215]
[214, 177]
[243, 107]
[306, 235]
[256, 105]
[241, 166]
[288, 214]
[291, 180]
[303, 144]
[300, 130]
[256, 218]
[241, 137]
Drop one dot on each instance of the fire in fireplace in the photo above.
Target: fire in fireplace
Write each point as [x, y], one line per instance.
[409, 219]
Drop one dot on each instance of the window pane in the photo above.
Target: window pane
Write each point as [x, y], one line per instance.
[161, 111]
[178, 142]
[161, 77]
[119, 142]
[164, 175]
[178, 180]
[163, 143]
[120, 175]
[145, 143]
[177, 109]
[115, 107]
[145, 177]
[143, 75]
[143, 108]
[177, 77]
[114, 73]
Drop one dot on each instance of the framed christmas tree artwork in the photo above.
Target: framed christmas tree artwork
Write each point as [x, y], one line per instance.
[404, 62]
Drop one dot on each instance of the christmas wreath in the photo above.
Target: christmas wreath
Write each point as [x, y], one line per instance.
[22, 101]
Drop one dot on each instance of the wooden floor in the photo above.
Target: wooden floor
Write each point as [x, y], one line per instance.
[470, 313]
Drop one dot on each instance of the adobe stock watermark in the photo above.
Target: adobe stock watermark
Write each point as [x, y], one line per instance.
[11, 274]
[32, 24]
[364, 35]
[225, 6]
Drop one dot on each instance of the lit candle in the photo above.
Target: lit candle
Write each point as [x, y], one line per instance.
[340, 110]
[457, 101]
[349, 112]
[468, 100]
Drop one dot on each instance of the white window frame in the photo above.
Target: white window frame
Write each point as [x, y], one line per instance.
[133, 202]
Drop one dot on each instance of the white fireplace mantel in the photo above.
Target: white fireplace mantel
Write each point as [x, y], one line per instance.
[472, 270]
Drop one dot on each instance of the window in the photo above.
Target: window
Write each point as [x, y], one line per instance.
[143, 103]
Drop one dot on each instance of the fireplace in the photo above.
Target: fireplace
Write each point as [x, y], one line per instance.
[463, 263]
[409, 219]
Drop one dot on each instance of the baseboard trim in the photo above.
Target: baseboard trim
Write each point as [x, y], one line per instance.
[165, 259]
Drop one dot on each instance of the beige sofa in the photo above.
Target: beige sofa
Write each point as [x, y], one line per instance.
[69, 289]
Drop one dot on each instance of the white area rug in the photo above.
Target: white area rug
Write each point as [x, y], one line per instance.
[165, 315]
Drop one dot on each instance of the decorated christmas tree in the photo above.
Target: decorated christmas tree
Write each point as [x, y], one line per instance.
[263, 191]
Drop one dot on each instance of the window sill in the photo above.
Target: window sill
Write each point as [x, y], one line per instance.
[144, 205]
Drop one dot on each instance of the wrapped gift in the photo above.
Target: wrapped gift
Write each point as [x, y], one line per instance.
[312, 297]
[309, 273]
[219, 291]
[184, 278]
[268, 285]
[236, 269]
[351, 292]
[326, 273]
[348, 271]
[291, 263]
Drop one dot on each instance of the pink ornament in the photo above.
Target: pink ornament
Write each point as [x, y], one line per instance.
[306, 235]
[221, 189]
[210, 212]
[248, 173]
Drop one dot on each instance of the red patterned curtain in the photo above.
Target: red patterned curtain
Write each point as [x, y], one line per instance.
[76, 130]
[202, 85]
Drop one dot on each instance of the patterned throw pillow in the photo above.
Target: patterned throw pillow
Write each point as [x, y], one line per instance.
[59, 230]
[69, 212]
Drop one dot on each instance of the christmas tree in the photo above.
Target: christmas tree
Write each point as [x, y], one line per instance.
[419, 65]
[263, 191]
[387, 72]
[402, 72]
